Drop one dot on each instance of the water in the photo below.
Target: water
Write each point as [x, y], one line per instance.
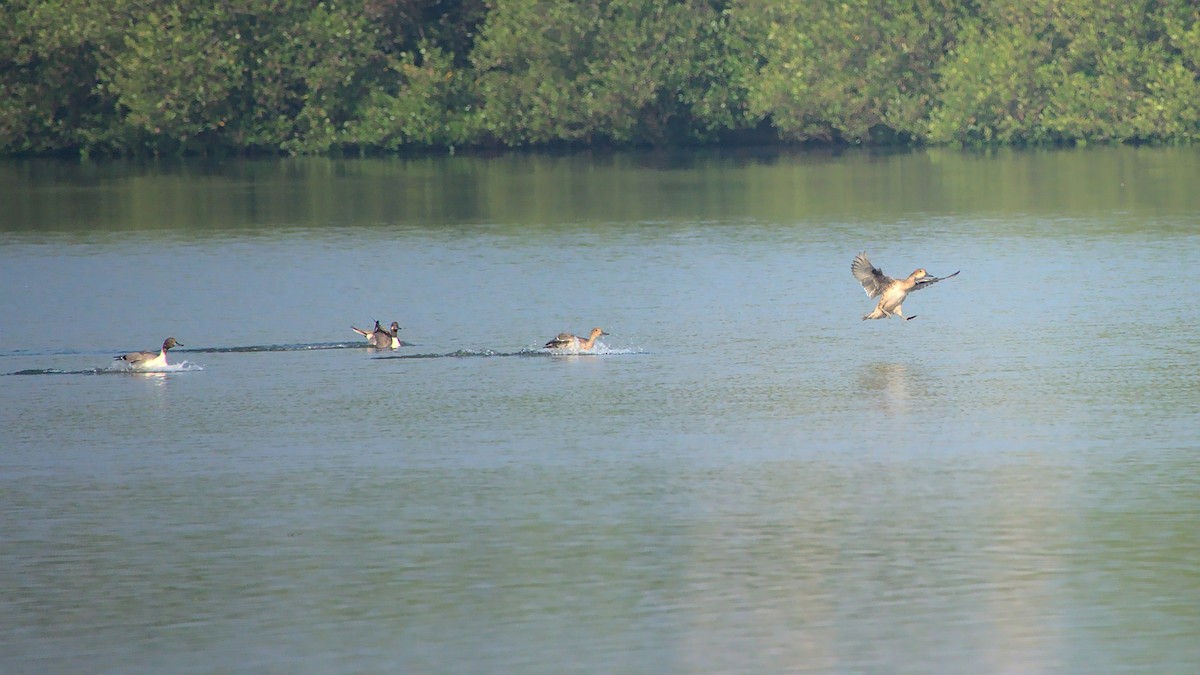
[746, 478]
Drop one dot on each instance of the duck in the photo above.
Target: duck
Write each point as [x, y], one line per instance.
[381, 338]
[891, 292]
[575, 343]
[148, 360]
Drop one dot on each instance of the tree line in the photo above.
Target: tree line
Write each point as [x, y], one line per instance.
[138, 77]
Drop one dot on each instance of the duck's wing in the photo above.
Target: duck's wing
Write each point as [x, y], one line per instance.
[929, 281]
[385, 339]
[872, 278]
[361, 332]
[563, 340]
[134, 357]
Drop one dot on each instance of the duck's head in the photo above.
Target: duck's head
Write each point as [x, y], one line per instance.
[919, 274]
[597, 332]
[171, 342]
[395, 327]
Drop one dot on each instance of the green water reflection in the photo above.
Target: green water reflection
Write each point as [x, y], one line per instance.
[584, 190]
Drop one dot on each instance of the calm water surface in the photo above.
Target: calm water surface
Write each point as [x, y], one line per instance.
[747, 478]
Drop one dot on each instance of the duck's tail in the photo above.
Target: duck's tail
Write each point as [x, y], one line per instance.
[360, 331]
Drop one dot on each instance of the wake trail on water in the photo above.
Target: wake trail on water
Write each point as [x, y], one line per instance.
[533, 352]
[118, 368]
[299, 347]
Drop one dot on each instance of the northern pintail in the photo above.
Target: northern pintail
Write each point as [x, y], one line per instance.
[144, 360]
[574, 342]
[381, 338]
[891, 292]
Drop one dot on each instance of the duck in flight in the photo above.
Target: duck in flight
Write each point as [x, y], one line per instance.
[575, 343]
[148, 360]
[891, 292]
[381, 338]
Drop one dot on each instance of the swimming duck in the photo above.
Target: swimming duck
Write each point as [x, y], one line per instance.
[574, 342]
[145, 360]
[891, 292]
[381, 338]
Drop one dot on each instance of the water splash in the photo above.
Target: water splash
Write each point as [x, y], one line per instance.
[598, 349]
[185, 366]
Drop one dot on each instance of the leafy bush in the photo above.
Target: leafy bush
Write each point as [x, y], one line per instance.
[317, 76]
[433, 104]
[851, 71]
[1055, 71]
[622, 71]
[49, 56]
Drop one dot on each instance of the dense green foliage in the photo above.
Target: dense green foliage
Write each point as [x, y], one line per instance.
[308, 76]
